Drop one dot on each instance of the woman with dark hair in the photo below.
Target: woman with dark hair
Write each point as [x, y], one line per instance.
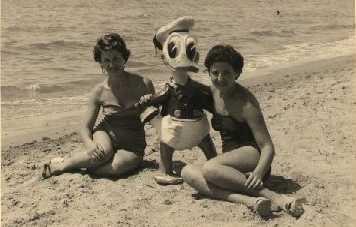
[247, 146]
[114, 137]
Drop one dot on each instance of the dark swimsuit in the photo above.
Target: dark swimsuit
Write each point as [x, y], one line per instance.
[184, 101]
[125, 131]
[234, 135]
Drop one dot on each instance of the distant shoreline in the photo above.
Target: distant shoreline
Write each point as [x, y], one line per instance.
[27, 129]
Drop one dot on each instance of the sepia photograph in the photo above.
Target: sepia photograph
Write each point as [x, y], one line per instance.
[170, 113]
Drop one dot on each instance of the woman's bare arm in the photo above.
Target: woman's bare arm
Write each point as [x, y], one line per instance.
[90, 116]
[254, 118]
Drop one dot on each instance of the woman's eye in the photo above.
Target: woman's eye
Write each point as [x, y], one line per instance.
[215, 73]
[227, 73]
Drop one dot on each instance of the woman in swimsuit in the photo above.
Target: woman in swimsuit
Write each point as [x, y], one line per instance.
[247, 147]
[114, 138]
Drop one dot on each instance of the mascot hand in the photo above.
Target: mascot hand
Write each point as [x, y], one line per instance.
[145, 100]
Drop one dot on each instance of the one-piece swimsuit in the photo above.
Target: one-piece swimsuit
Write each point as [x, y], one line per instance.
[125, 131]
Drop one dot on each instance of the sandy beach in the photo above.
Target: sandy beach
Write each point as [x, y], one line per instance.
[309, 112]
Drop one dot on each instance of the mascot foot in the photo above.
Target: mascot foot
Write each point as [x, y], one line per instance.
[167, 180]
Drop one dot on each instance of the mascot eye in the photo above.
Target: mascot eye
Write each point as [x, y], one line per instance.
[172, 50]
[191, 51]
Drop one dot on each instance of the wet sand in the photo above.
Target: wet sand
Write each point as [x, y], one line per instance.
[308, 109]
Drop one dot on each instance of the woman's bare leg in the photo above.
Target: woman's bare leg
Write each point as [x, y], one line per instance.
[208, 147]
[123, 162]
[86, 159]
[194, 177]
[228, 172]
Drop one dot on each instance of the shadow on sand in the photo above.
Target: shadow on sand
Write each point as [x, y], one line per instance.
[282, 185]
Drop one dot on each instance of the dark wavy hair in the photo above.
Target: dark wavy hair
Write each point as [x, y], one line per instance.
[224, 53]
[110, 41]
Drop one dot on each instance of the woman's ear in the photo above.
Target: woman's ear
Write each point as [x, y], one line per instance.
[237, 75]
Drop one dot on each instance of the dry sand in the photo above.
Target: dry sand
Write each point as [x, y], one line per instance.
[308, 109]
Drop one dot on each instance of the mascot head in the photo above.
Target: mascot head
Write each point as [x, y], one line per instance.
[178, 46]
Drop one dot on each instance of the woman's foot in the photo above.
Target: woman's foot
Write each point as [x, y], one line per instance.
[51, 168]
[261, 207]
[168, 180]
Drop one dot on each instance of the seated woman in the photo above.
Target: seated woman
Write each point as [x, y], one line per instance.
[114, 138]
[247, 147]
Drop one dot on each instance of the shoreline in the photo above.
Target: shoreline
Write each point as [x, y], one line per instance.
[32, 128]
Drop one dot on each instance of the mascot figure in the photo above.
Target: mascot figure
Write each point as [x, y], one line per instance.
[181, 122]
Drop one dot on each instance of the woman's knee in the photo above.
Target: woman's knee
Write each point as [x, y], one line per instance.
[100, 155]
[123, 163]
[104, 150]
[210, 170]
[187, 173]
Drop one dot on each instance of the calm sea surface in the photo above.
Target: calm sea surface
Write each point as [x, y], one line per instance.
[46, 45]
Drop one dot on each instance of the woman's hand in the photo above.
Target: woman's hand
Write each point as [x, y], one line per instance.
[95, 150]
[144, 100]
[254, 181]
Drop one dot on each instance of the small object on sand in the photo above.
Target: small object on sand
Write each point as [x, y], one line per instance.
[168, 180]
[47, 172]
[167, 202]
[278, 12]
[262, 207]
[295, 207]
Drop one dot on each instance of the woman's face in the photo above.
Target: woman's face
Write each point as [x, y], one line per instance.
[112, 61]
[222, 75]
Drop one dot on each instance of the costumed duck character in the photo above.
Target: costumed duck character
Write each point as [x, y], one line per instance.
[182, 100]
[181, 122]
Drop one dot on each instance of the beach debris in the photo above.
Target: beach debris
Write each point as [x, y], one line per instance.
[45, 138]
[46, 150]
[167, 202]
[204, 205]
[65, 203]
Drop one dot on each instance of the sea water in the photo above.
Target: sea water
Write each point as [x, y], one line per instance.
[46, 45]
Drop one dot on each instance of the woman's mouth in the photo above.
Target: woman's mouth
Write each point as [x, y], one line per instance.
[220, 83]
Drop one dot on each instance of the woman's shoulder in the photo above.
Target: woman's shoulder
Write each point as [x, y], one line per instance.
[98, 90]
[205, 89]
[249, 103]
[247, 100]
[141, 83]
[137, 78]
[245, 94]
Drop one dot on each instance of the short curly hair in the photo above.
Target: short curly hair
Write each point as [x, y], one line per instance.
[224, 53]
[110, 41]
